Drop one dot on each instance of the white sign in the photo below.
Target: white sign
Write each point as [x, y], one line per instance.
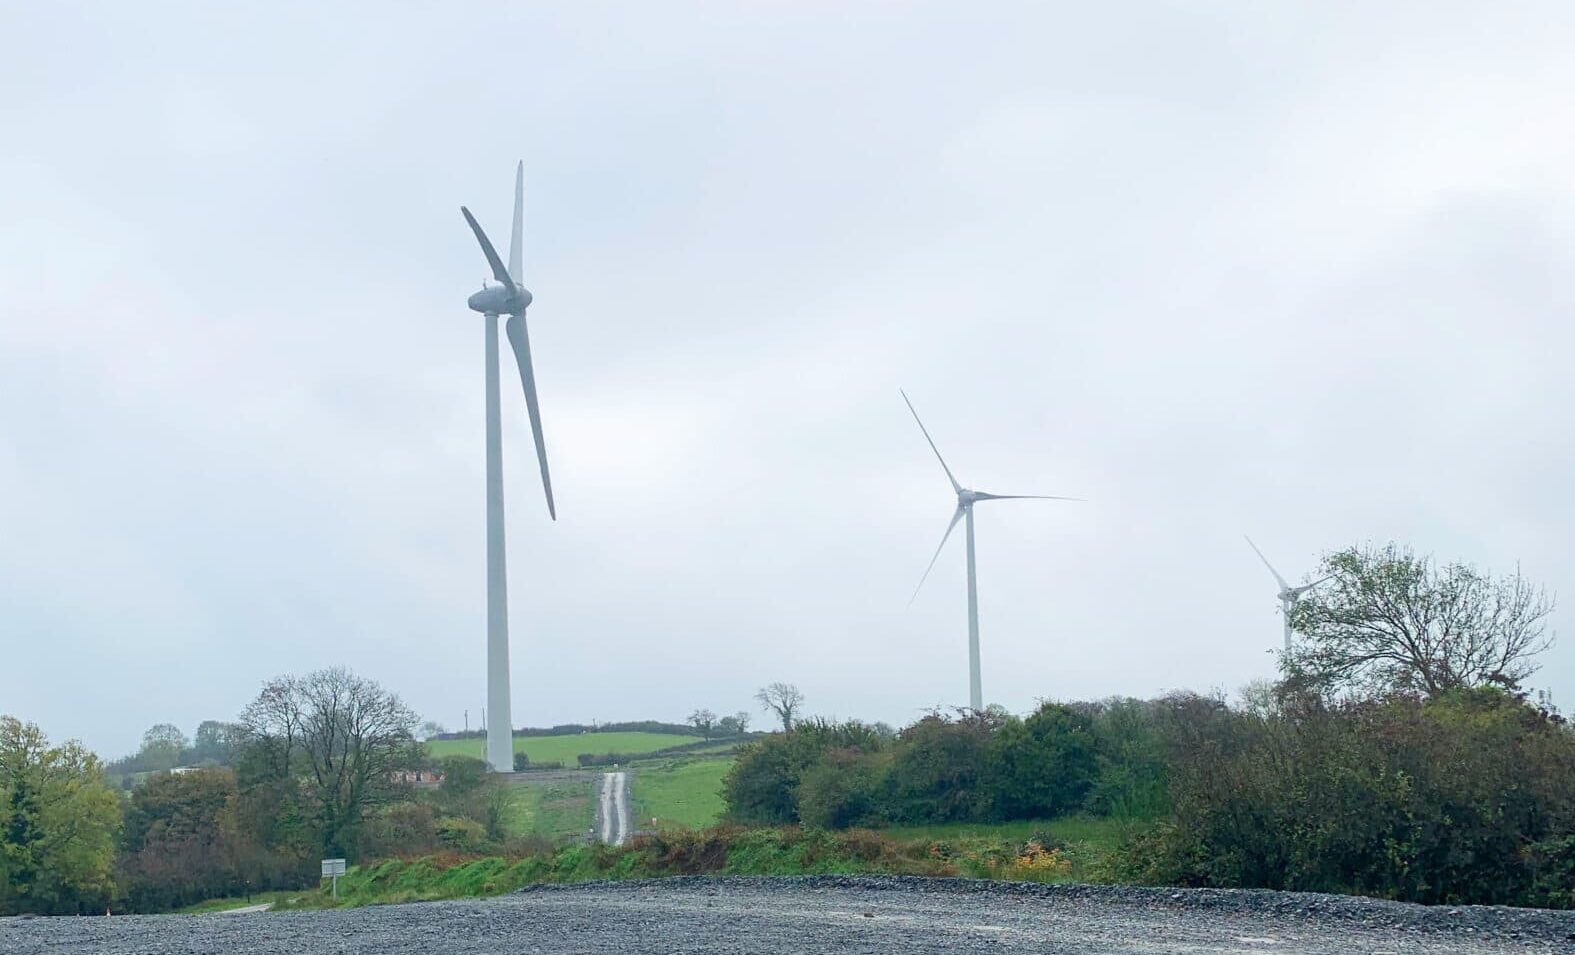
[333, 867]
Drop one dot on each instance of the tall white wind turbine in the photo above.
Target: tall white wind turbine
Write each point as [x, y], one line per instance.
[966, 499]
[509, 298]
[1288, 595]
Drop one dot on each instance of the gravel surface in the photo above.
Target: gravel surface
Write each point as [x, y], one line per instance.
[828, 914]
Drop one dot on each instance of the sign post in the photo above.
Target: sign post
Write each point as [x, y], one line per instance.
[333, 869]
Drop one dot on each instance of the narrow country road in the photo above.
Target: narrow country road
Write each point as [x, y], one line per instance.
[612, 812]
[828, 914]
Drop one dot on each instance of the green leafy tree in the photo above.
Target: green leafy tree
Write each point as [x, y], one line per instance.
[1387, 620]
[215, 743]
[163, 745]
[58, 821]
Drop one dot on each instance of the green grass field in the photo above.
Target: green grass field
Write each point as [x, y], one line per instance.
[678, 792]
[565, 749]
[552, 809]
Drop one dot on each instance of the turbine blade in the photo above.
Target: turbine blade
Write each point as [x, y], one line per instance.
[1022, 497]
[519, 337]
[955, 486]
[516, 249]
[498, 271]
[1277, 577]
[956, 516]
[1306, 587]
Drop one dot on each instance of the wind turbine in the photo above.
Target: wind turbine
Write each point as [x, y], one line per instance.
[1288, 595]
[966, 499]
[509, 298]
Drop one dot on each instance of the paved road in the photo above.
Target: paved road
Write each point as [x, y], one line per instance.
[826, 915]
[612, 812]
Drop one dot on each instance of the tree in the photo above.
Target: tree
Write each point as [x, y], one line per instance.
[783, 699]
[344, 735]
[175, 847]
[163, 745]
[58, 821]
[432, 729]
[741, 719]
[215, 743]
[1388, 621]
[703, 721]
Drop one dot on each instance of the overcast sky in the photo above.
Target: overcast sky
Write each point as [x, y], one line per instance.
[1293, 270]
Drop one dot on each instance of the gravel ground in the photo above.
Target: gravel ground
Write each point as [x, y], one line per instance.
[829, 914]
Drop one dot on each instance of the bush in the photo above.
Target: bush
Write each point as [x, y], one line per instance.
[1436, 802]
[402, 829]
[938, 769]
[843, 789]
[521, 762]
[761, 788]
[462, 835]
[1041, 767]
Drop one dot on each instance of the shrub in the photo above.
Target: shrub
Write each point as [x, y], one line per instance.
[1040, 767]
[843, 788]
[462, 835]
[938, 768]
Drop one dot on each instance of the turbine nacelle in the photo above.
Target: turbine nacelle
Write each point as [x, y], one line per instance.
[500, 300]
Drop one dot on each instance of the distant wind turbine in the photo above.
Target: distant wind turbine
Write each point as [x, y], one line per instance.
[1288, 595]
[966, 499]
[509, 298]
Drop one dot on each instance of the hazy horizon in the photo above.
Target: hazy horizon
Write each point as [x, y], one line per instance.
[1293, 271]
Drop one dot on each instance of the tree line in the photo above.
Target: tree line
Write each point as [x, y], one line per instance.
[1398, 755]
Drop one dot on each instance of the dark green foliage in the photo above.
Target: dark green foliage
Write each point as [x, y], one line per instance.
[521, 762]
[1466, 798]
[1131, 779]
[1040, 767]
[939, 767]
[845, 788]
[463, 776]
[762, 787]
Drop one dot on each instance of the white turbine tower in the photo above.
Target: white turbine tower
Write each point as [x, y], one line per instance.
[509, 298]
[966, 499]
[1288, 595]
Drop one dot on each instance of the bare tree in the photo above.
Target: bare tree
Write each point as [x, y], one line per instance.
[703, 721]
[783, 699]
[742, 718]
[1388, 620]
[343, 734]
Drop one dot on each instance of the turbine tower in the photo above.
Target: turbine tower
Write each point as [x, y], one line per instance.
[966, 499]
[509, 298]
[1288, 595]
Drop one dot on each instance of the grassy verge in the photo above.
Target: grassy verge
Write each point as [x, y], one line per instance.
[565, 749]
[1001, 852]
[678, 792]
[1069, 849]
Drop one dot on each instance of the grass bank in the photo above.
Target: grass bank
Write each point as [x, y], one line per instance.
[999, 852]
